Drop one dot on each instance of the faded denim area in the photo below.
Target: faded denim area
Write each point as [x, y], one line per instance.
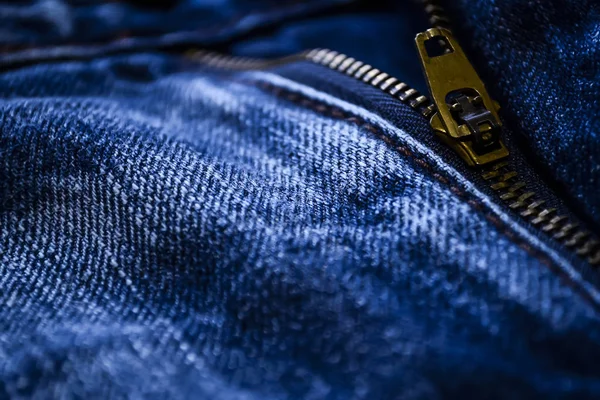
[542, 61]
[209, 236]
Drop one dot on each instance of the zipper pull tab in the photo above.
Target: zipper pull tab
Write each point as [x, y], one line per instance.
[466, 118]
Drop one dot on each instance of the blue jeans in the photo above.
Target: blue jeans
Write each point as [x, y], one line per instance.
[171, 230]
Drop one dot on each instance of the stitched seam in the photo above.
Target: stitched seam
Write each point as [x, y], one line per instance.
[340, 114]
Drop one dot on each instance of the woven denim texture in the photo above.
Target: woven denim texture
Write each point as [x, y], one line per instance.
[243, 243]
[169, 231]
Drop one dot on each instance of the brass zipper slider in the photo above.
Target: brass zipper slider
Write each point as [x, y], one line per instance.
[466, 118]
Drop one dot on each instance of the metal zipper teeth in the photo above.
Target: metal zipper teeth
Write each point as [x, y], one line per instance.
[513, 191]
[436, 14]
[333, 60]
[500, 177]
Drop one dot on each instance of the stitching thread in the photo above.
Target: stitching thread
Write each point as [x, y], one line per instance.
[340, 114]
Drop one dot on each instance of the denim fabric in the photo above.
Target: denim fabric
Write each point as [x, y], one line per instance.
[171, 231]
[259, 241]
[42, 22]
[542, 61]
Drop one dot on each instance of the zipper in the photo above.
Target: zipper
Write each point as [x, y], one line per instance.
[461, 113]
